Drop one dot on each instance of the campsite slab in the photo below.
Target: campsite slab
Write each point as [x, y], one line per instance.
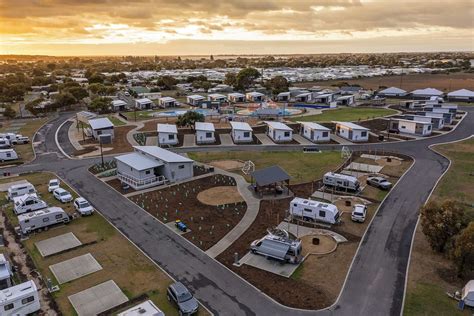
[57, 244]
[340, 140]
[75, 268]
[226, 140]
[364, 167]
[264, 139]
[273, 266]
[97, 299]
[189, 140]
[302, 140]
[4, 186]
[151, 140]
[301, 231]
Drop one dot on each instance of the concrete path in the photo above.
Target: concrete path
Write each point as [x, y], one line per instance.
[264, 139]
[226, 140]
[303, 141]
[75, 136]
[340, 140]
[253, 206]
[189, 140]
[130, 134]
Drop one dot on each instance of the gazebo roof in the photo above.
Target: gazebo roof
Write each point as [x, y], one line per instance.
[270, 175]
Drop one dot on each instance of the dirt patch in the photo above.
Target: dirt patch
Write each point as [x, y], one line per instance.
[342, 206]
[384, 162]
[227, 164]
[326, 244]
[220, 195]
[207, 223]
[119, 144]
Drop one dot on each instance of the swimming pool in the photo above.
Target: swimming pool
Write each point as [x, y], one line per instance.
[174, 113]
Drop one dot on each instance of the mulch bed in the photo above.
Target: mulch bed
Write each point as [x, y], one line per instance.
[208, 224]
[117, 185]
[119, 144]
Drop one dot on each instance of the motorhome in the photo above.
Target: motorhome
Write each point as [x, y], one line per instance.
[278, 246]
[19, 190]
[311, 210]
[21, 299]
[28, 203]
[30, 222]
[341, 181]
[8, 154]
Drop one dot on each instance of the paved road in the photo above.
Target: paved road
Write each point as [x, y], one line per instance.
[375, 282]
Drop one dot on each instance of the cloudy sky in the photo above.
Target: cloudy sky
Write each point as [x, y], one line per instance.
[194, 27]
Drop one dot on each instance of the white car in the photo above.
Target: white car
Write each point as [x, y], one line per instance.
[62, 195]
[359, 212]
[53, 185]
[20, 139]
[83, 207]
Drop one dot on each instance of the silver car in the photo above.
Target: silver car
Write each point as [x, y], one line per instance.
[379, 182]
[178, 294]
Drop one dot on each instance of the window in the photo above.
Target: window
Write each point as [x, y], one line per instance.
[46, 219]
[171, 136]
[147, 172]
[322, 213]
[308, 210]
[246, 134]
[363, 134]
[287, 134]
[27, 221]
[325, 134]
[8, 307]
[59, 216]
[403, 126]
[30, 202]
[181, 167]
[27, 300]
[9, 154]
[209, 135]
[429, 127]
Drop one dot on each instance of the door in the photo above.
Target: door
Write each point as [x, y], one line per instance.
[312, 134]
[350, 134]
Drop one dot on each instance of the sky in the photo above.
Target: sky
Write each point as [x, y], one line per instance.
[203, 27]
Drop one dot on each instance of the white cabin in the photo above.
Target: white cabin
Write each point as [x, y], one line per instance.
[118, 105]
[314, 210]
[195, 99]
[254, 96]
[167, 102]
[283, 96]
[205, 133]
[352, 132]
[315, 132]
[279, 132]
[21, 299]
[304, 97]
[143, 103]
[216, 97]
[346, 100]
[101, 126]
[414, 127]
[167, 134]
[241, 132]
[236, 97]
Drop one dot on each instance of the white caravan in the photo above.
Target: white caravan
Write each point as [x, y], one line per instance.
[341, 181]
[19, 190]
[315, 211]
[468, 294]
[28, 203]
[4, 143]
[21, 299]
[8, 154]
[30, 222]
[278, 246]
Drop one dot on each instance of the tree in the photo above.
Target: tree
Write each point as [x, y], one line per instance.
[101, 105]
[230, 79]
[96, 78]
[277, 84]
[246, 77]
[97, 88]
[78, 92]
[463, 254]
[167, 82]
[441, 222]
[189, 118]
[64, 99]
[9, 112]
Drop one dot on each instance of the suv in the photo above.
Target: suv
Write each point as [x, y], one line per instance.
[62, 195]
[379, 182]
[53, 185]
[184, 300]
[21, 140]
[83, 207]
[358, 213]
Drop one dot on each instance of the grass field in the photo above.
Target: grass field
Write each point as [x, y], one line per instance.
[140, 115]
[429, 271]
[346, 114]
[115, 120]
[121, 261]
[25, 152]
[301, 167]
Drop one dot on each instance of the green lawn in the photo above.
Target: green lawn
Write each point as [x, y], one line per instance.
[301, 167]
[346, 114]
[115, 120]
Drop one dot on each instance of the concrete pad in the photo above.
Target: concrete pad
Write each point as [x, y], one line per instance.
[57, 244]
[301, 231]
[364, 167]
[226, 140]
[302, 140]
[273, 266]
[189, 140]
[264, 139]
[151, 141]
[340, 140]
[356, 174]
[377, 157]
[75, 268]
[97, 299]
[4, 186]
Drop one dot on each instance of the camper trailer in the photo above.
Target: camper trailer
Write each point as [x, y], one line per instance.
[467, 295]
[30, 222]
[4, 143]
[341, 181]
[314, 211]
[8, 154]
[28, 203]
[278, 246]
[19, 190]
[21, 299]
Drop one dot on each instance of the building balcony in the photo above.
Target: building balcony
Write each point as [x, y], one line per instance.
[140, 184]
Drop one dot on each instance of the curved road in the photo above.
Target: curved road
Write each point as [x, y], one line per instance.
[375, 282]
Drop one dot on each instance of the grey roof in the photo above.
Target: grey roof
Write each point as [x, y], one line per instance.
[138, 161]
[315, 126]
[167, 99]
[118, 103]
[255, 94]
[144, 101]
[162, 154]
[100, 123]
[195, 97]
[270, 175]
[352, 125]
[461, 93]
[278, 125]
[427, 91]
[236, 94]
[274, 249]
[167, 128]
[202, 126]
[392, 90]
[241, 126]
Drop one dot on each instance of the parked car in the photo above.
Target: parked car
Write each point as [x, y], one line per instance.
[53, 185]
[379, 182]
[62, 195]
[359, 213]
[178, 294]
[83, 207]
[20, 139]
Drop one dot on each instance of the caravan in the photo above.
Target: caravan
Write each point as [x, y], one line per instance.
[28, 203]
[8, 154]
[21, 299]
[19, 190]
[341, 181]
[278, 245]
[4, 143]
[314, 211]
[30, 222]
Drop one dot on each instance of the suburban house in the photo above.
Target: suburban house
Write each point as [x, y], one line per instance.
[143, 103]
[101, 126]
[241, 132]
[414, 127]
[254, 96]
[283, 96]
[461, 95]
[352, 132]
[167, 134]
[392, 92]
[167, 102]
[150, 166]
[325, 98]
[236, 97]
[304, 97]
[205, 133]
[426, 93]
[315, 132]
[195, 99]
[118, 105]
[279, 132]
[346, 100]
[216, 97]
